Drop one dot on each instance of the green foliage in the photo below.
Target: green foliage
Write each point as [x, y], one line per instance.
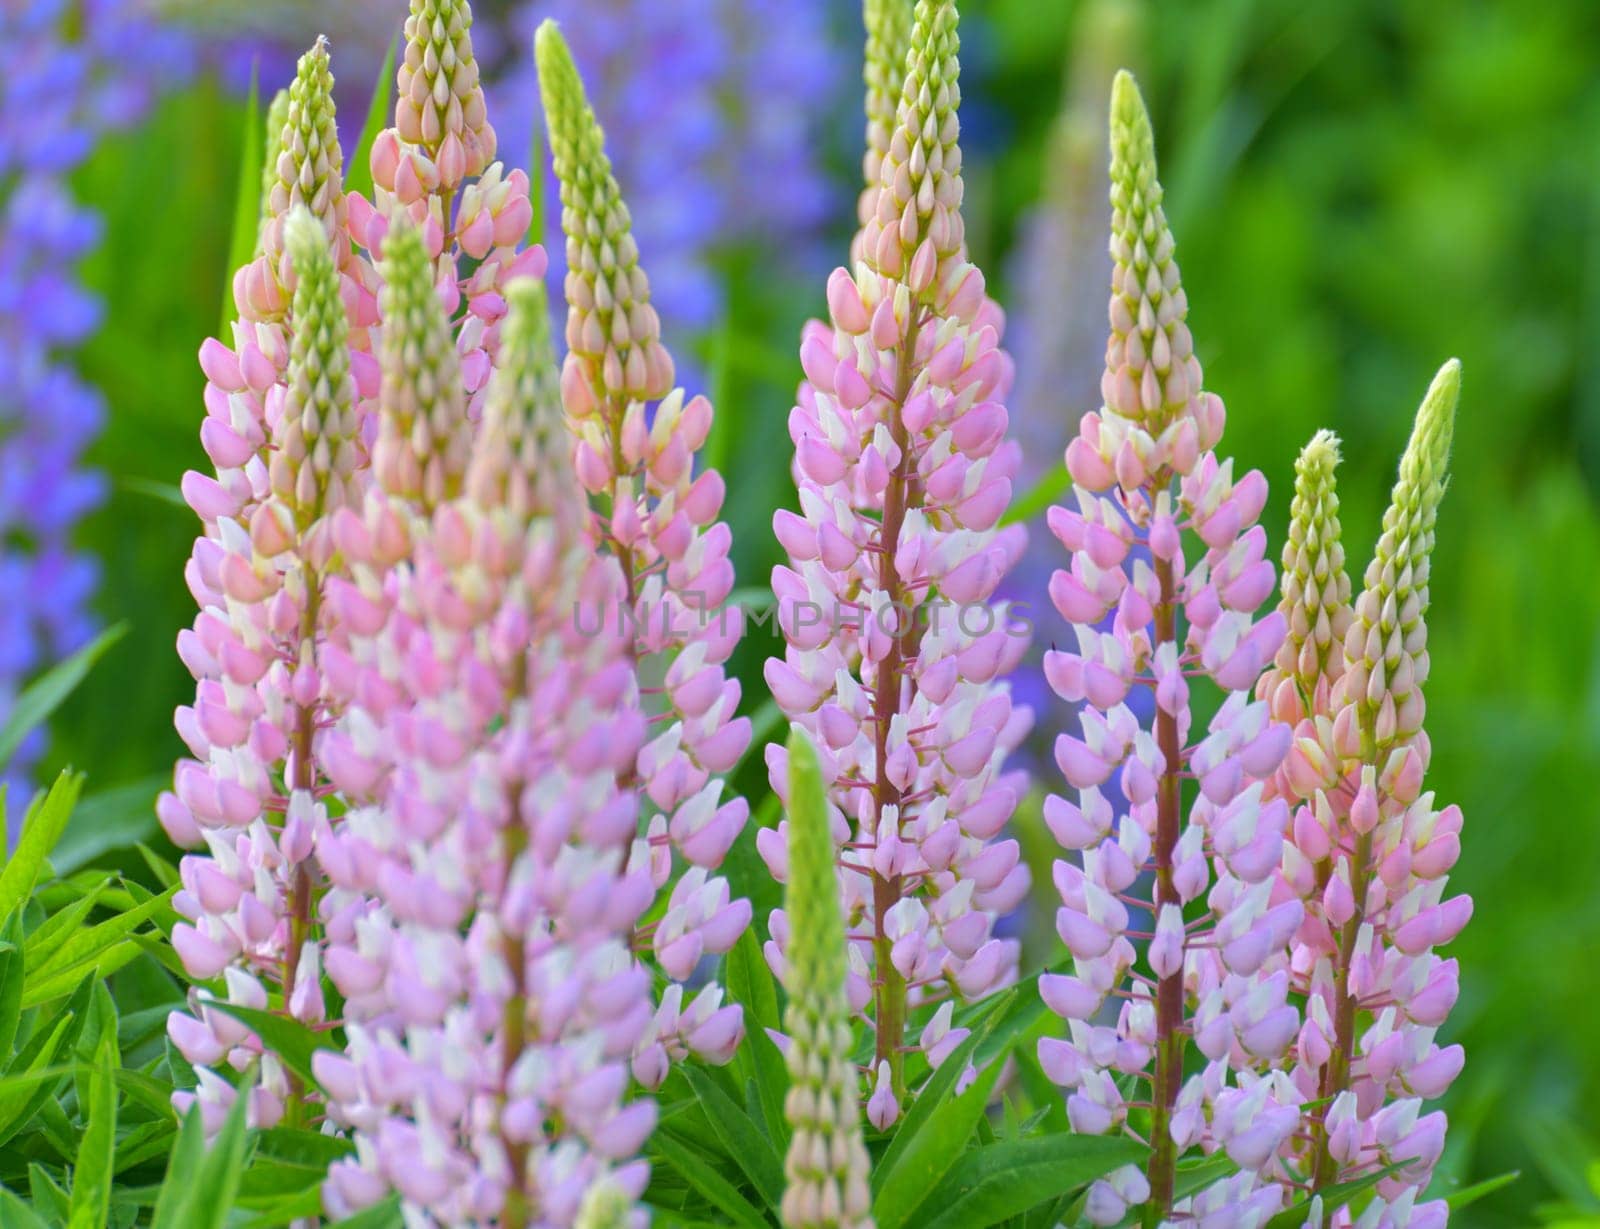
[246, 203]
[45, 694]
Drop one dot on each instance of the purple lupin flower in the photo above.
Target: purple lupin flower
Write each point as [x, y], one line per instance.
[894, 651]
[60, 92]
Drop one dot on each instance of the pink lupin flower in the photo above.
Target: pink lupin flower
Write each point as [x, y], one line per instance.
[894, 648]
[483, 909]
[306, 173]
[1369, 852]
[1146, 476]
[657, 517]
[435, 167]
[251, 794]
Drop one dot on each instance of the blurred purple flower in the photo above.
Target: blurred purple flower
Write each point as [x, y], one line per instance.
[69, 73]
[720, 107]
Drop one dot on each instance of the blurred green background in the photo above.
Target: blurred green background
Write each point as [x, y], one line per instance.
[1360, 189]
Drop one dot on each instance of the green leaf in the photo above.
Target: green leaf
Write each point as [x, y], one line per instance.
[932, 1150]
[152, 1094]
[385, 1215]
[298, 1146]
[45, 694]
[1479, 1190]
[1048, 490]
[104, 964]
[744, 1141]
[199, 1189]
[758, 1061]
[40, 831]
[707, 1182]
[17, 1215]
[11, 977]
[1194, 1176]
[293, 1042]
[91, 1173]
[47, 1194]
[103, 947]
[166, 874]
[107, 820]
[246, 202]
[751, 984]
[33, 1075]
[48, 937]
[182, 1171]
[987, 1185]
[1294, 1216]
[996, 1023]
[359, 178]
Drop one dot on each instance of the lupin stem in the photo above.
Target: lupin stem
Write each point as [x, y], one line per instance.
[301, 887]
[513, 1030]
[1169, 992]
[890, 987]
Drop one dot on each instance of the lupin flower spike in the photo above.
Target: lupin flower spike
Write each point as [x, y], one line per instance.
[827, 1166]
[483, 909]
[658, 519]
[317, 452]
[1385, 651]
[307, 169]
[915, 230]
[1316, 590]
[894, 650]
[439, 103]
[435, 170]
[423, 435]
[251, 793]
[613, 333]
[888, 25]
[1370, 856]
[1146, 477]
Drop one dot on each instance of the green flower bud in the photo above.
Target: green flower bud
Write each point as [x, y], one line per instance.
[423, 435]
[915, 229]
[316, 449]
[1315, 588]
[1386, 655]
[277, 117]
[1152, 376]
[614, 350]
[827, 1166]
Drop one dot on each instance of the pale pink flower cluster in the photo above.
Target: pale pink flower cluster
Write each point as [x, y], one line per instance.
[1370, 851]
[637, 442]
[481, 912]
[1183, 609]
[290, 601]
[283, 429]
[894, 651]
